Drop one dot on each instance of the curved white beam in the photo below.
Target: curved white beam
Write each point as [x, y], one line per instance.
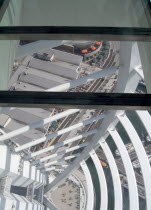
[145, 118]
[60, 144]
[102, 181]
[37, 124]
[132, 186]
[90, 189]
[141, 154]
[58, 133]
[118, 201]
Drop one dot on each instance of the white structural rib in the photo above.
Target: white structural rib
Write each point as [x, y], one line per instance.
[63, 152]
[83, 80]
[141, 154]
[132, 186]
[118, 204]
[90, 189]
[55, 146]
[146, 120]
[58, 161]
[102, 181]
[55, 167]
[38, 124]
[58, 133]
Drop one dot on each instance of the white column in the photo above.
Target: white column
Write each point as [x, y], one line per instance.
[55, 146]
[6, 202]
[37, 124]
[58, 133]
[7, 162]
[28, 175]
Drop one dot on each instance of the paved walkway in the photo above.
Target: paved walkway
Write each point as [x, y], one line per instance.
[66, 196]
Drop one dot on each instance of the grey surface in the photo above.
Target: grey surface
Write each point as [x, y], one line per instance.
[25, 87]
[65, 197]
[23, 116]
[54, 68]
[84, 13]
[36, 76]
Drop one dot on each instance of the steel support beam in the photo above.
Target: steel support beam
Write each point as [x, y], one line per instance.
[37, 124]
[115, 101]
[58, 133]
[74, 33]
[58, 161]
[83, 80]
[63, 152]
[123, 78]
[60, 144]
[55, 167]
[48, 204]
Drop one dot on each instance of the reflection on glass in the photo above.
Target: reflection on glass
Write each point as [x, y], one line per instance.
[77, 13]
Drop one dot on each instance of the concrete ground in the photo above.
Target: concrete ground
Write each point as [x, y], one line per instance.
[66, 196]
